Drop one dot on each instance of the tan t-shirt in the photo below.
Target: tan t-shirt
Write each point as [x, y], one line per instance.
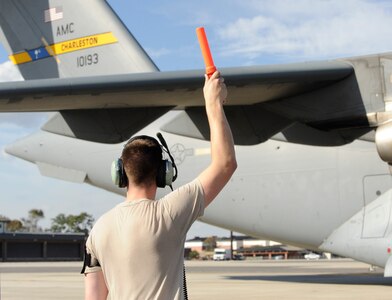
[140, 244]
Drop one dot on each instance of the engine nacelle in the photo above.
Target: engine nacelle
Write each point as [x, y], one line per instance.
[384, 142]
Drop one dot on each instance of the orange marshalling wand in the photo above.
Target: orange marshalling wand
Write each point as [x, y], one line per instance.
[205, 50]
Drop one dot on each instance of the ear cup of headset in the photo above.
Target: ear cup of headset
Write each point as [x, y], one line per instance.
[165, 174]
[119, 177]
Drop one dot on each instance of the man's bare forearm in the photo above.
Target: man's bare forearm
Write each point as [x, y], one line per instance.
[223, 161]
[222, 144]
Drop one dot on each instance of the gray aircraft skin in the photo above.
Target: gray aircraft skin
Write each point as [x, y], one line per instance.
[313, 140]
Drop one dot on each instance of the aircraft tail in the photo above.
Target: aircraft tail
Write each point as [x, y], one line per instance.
[69, 38]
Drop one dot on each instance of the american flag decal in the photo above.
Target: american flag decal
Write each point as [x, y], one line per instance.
[53, 14]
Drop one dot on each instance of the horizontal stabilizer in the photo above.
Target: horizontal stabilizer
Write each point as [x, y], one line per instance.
[103, 125]
[61, 172]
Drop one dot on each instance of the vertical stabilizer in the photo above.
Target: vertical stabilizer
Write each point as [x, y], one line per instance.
[69, 38]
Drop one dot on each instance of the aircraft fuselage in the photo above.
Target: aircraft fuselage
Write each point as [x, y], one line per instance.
[286, 192]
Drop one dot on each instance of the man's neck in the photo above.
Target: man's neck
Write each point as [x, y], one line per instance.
[141, 192]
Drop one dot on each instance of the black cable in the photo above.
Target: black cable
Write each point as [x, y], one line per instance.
[166, 148]
[185, 288]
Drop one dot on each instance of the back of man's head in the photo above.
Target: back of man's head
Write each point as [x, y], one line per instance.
[142, 158]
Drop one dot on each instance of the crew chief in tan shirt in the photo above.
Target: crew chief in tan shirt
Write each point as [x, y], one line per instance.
[139, 243]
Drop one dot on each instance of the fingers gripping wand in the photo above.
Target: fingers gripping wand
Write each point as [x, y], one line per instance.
[205, 50]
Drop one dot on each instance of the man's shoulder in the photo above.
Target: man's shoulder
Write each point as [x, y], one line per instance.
[189, 188]
[184, 205]
[192, 190]
[105, 217]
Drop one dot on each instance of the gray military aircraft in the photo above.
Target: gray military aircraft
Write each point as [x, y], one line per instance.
[313, 140]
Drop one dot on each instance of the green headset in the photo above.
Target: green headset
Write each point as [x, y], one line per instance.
[167, 171]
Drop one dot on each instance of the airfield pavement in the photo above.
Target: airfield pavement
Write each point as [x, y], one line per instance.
[249, 279]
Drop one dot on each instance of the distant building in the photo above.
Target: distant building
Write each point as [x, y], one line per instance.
[196, 244]
[247, 246]
[20, 246]
[48, 246]
[3, 224]
[225, 243]
[242, 242]
[252, 242]
[273, 252]
[239, 242]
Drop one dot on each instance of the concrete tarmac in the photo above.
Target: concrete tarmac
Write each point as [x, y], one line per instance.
[232, 280]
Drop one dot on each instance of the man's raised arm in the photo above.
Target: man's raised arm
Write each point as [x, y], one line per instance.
[223, 161]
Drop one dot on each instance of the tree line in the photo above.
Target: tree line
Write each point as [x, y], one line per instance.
[62, 223]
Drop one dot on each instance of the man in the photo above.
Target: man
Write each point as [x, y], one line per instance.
[136, 249]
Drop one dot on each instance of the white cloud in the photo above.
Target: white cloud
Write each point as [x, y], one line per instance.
[9, 72]
[311, 29]
[156, 53]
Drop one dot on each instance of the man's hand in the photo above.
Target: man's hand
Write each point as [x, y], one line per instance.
[215, 91]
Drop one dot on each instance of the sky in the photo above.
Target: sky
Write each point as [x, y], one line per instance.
[240, 33]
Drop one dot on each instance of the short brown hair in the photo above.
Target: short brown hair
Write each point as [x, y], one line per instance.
[142, 157]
